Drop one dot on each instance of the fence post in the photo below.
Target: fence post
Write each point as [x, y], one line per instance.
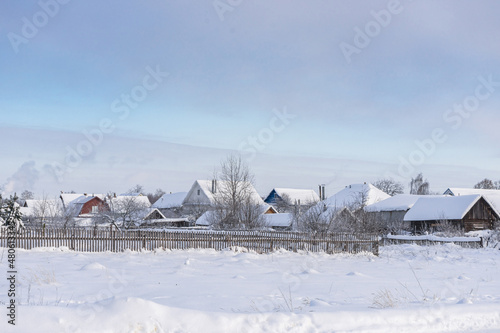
[112, 238]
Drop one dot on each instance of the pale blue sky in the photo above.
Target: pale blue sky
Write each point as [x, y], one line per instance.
[356, 118]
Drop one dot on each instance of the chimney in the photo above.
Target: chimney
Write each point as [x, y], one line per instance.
[214, 186]
[322, 192]
[114, 195]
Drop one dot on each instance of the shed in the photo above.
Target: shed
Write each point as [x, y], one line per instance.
[391, 211]
[467, 212]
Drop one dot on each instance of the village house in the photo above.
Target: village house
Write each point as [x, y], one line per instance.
[294, 196]
[391, 211]
[207, 192]
[466, 212]
[352, 197]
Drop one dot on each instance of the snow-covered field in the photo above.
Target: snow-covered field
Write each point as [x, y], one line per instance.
[407, 288]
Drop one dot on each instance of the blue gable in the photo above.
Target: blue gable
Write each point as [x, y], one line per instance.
[272, 197]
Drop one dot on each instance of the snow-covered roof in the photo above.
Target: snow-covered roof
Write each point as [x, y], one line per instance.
[152, 210]
[492, 196]
[458, 191]
[120, 202]
[441, 208]
[399, 202]
[68, 198]
[30, 206]
[297, 195]
[278, 220]
[206, 187]
[204, 220]
[170, 200]
[355, 196]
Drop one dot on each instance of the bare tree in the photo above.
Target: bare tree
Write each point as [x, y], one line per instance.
[234, 201]
[283, 204]
[153, 197]
[66, 217]
[137, 189]
[447, 228]
[419, 186]
[194, 211]
[389, 186]
[123, 211]
[46, 211]
[488, 184]
[27, 195]
[316, 219]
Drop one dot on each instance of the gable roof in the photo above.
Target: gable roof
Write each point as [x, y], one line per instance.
[152, 211]
[492, 196]
[31, 205]
[442, 208]
[295, 195]
[68, 198]
[352, 195]
[75, 207]
[170, 200]
[206, 188]
[399, 202]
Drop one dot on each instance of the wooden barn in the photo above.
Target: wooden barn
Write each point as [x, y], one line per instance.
[392, 211]
[467, 212]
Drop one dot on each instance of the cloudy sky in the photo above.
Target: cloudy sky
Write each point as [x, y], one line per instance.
[98, 96]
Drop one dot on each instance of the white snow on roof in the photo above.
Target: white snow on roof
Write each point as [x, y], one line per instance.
[120, 203]
[67, 198]
[399, 202]
[50, 205]
[441, 208]
[298, 195]
[206, 187]
[492, 196]
[170, 200]
[278, 220]
[352, 196]
[458, 191]
[203, 220]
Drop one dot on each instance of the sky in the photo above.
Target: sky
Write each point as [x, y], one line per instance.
[99, 96]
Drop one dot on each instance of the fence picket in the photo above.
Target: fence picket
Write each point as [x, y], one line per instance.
[114, 240]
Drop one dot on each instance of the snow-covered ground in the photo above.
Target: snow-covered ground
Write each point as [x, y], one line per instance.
[407, 288]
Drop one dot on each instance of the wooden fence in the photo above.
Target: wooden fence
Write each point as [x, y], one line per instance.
[99, 240]
[471, 242]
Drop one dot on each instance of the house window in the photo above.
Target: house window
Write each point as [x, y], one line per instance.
[95, 210]
[198, 192]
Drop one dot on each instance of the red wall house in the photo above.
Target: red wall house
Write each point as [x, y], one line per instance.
[94, 206]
